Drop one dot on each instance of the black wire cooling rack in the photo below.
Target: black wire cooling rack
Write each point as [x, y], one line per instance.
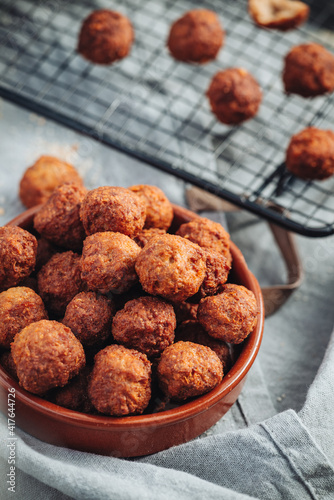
[155, 108]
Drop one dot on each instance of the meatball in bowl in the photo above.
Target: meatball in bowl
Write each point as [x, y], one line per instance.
[145, 386]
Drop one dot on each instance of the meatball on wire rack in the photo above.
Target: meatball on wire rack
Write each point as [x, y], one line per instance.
[144, 101]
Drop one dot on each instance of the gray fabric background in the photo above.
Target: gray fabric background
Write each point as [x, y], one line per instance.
[277, 441]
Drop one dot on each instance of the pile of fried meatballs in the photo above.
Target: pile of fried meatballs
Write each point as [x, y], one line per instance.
[106, 308]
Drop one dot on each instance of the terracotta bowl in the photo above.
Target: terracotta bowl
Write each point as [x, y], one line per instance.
[144, 434]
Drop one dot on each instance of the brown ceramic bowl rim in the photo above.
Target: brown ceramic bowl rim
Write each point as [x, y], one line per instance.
[194, 407]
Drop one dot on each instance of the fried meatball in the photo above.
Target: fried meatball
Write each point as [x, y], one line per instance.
[171, 266]
[310, 154]
[216, 273]
[58, 220]
[145, 235]
[120, 383]
[146, 324]
[192, 331]
[105, 37]
[89, 316]
[19, 307]
[308, 70]
[108, 262]
[18, 250]
[113, 209]
[59, 281]
[39, 180]
[74, 395]
[187, 370]
[282, 15]
[207, 234]
[46, 355]
[196, 37]
[234, 96]
[230, 316]
[159, 210]
[7, 363]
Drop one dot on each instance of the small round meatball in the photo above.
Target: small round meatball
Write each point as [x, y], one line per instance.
[58, 220]
[207, 234]
[7, 363]
[172, 267]
[39, 180]
[230, 316]
[114, 209]
[310, 154]
[308, 70]
[105, 37]
[234, 95]
[187, 370]
[192, 331]
[108, 262]
[120, 383]
[59, 281]
[282, 15]
[19, 307]
[89, 316]
[46, 355]
[159, 210]
[196, 37]
[145, 235]
[217, 269]
[18, 250]
[74, 395]
[146, 324]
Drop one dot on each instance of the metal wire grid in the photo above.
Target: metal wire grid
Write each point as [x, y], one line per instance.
[155, 108]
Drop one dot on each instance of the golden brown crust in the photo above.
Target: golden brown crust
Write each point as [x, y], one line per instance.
[108, 262]
[234, 96]
[196, 37]
[145, 235]
[308, 70]
[19, 307]
[159, 210]
[18, 250]
[310, 154]
[58, 220]
[105, 36]
[120, 383]
[217, 270]
[171, 266]
[192, 331]
[230, 316]
[207, 234]
[186, 370]
[59, 281]
[282, 15]
[40, 180]
[146, 324]
[110, 208]
[46, 355]
[89, 316]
